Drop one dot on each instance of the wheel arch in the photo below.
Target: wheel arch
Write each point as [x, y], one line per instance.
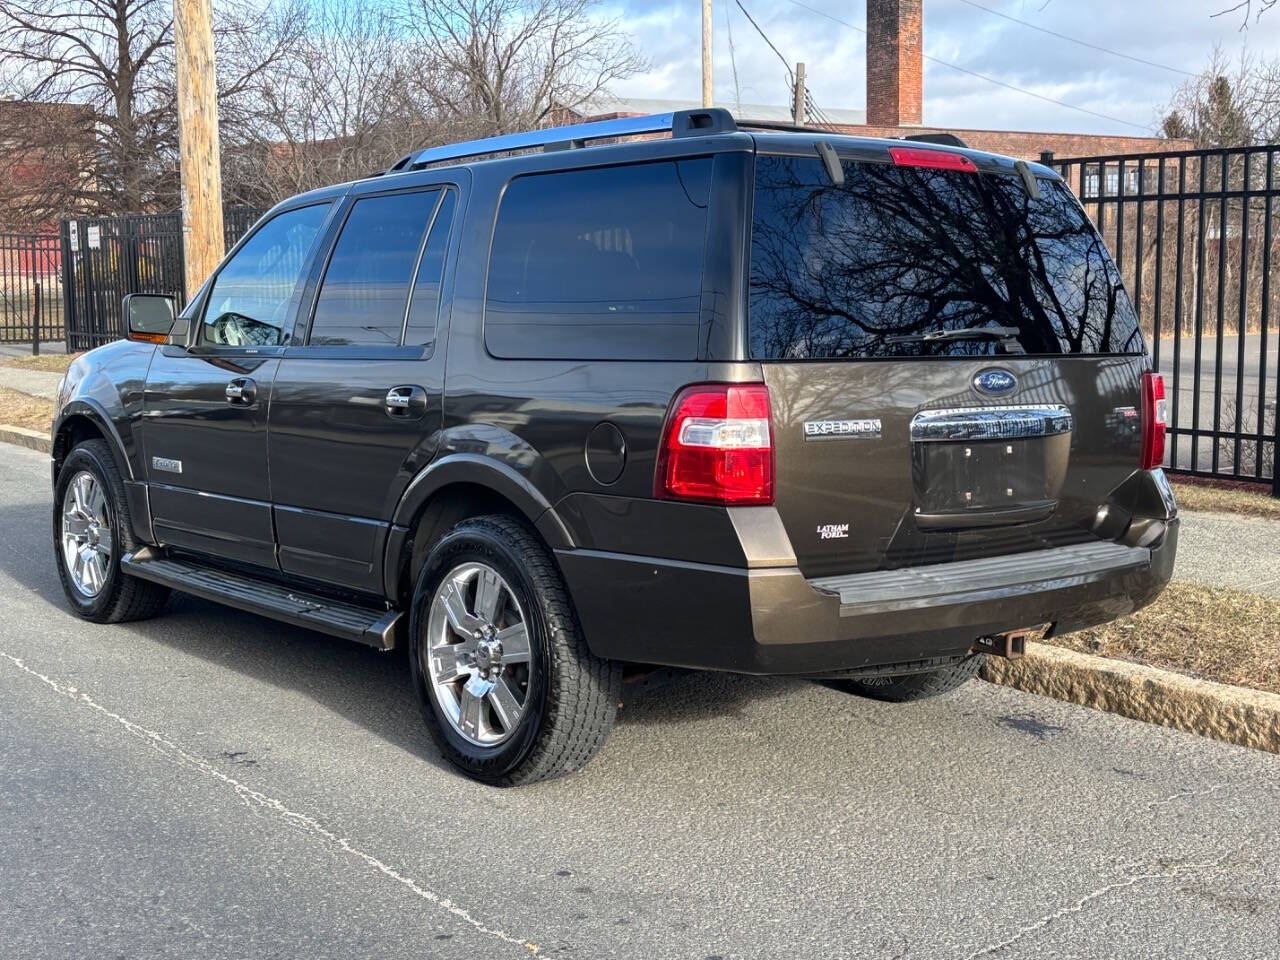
[81, 420]
[450, 490]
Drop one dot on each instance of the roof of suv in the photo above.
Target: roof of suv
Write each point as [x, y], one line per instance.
[682, 124]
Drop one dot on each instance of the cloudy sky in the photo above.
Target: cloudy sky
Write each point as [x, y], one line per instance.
[1175, 33]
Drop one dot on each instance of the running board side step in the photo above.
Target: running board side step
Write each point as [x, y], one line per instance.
[368, 625]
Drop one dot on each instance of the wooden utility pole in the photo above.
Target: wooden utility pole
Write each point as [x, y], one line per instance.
[708, 94]
[797, 108]
[202, 237]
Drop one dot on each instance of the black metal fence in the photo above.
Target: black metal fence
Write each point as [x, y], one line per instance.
[30, 288]
[1195, 236]
[105, 258]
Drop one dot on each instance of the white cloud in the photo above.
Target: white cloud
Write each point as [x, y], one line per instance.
[1179, 33]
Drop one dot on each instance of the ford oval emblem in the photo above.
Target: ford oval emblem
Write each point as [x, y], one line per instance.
[995, 382]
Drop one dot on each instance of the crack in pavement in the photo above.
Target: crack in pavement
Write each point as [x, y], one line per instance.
[1184, 795]
[176, 754]
[1078, 906]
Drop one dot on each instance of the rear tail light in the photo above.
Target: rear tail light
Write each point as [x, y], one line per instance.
[1155, 419]
[932, 159]
[717, 446]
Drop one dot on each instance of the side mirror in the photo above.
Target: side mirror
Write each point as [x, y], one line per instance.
[149, 316]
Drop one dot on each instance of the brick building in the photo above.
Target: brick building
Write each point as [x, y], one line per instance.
[895, 100]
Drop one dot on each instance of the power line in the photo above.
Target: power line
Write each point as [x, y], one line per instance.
[765, 37]
[982, 76]
[810, 105]
[733, 58]
[1083, 43]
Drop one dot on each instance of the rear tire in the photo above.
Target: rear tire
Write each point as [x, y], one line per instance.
[506, 705]
[914, 686]
[95, 516]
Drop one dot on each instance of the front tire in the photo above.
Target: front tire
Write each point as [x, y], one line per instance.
[504, 679]
[92, 530]
[905, 688]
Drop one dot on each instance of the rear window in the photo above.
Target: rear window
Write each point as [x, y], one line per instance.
[871, 266]
[600, 264]
[362, 297]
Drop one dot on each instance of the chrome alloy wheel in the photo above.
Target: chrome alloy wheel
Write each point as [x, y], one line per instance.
[476, 655]
[86, 534]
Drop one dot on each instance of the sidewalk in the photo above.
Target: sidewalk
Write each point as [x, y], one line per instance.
[34, 383]
[24, 349]
[1230, 550]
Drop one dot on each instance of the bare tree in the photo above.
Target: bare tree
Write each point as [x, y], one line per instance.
[337, 105]
[310, 91]
[1226, 105]
[113, 58]
[494, 66]
[1248, 9]
[106, 55]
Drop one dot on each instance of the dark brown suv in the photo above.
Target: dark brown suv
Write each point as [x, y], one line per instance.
[539, 410]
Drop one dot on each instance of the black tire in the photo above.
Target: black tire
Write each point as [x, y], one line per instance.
[121, 597]
[914, 686]
[572, 695]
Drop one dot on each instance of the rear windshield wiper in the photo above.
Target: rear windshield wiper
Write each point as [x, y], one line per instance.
[1008, 336]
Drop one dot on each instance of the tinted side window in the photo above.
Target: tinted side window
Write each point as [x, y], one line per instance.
[601, 264]
[249, 302]
[366, 284]
[424, 305]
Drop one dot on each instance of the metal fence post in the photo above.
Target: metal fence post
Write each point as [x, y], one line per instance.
[35, 318]
[68, 283]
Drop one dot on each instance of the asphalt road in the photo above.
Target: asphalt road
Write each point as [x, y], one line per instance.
[1252, 368]
[210, 784]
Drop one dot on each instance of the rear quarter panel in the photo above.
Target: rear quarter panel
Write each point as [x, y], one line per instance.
[536, 415]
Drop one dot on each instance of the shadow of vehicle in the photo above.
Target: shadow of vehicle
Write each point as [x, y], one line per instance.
[366, 686]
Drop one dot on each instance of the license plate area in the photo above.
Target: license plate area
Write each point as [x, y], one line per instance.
[992, 474]
[986, 466]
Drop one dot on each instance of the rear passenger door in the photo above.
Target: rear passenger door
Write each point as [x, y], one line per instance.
[356, 406]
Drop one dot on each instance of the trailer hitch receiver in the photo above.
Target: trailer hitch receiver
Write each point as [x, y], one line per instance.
[1011, 645]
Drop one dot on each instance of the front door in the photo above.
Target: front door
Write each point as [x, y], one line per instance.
[356, 407]
[204, 427]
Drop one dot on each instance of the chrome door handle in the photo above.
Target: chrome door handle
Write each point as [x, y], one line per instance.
[241, 390]
[406, 403]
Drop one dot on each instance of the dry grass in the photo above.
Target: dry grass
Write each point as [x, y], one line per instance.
[51, 362]
[1208, 632]
[1195, 496]
[20, 410]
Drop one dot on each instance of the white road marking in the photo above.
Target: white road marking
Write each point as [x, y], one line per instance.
[176, 754]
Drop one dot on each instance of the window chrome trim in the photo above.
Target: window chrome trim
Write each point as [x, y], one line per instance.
[990, 423]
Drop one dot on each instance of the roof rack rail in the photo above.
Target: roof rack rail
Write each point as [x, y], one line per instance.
[943, 139]
[787, 126]
[680, 123]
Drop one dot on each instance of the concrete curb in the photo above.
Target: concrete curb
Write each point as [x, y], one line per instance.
[1249, 718]
[31, 439]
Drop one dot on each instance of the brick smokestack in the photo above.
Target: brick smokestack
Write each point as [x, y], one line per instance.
[895, 77]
